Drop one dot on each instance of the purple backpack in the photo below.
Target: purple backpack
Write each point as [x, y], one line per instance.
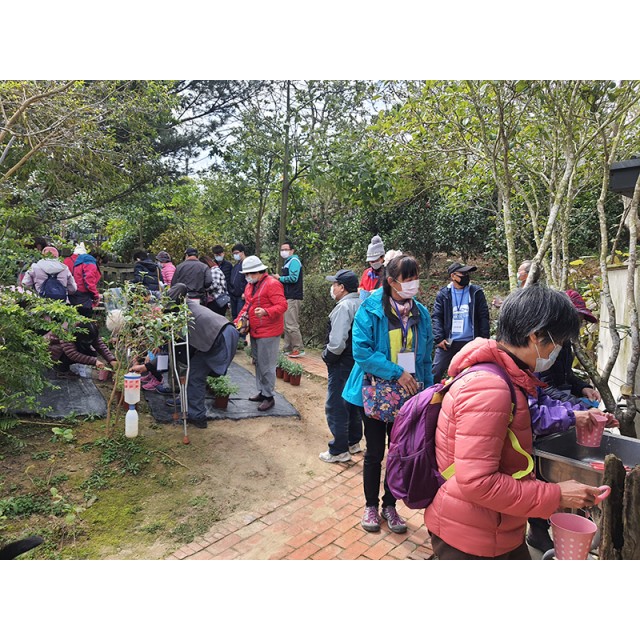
[412, 472]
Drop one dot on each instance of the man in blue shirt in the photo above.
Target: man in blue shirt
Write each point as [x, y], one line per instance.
[291, 279]
[460, 314]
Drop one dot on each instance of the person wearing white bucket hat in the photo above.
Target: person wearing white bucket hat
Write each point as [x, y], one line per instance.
[372, 276]
[264, 310]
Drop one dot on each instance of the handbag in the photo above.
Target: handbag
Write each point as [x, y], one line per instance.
[242, 324]
[382, 399]
[222, 300]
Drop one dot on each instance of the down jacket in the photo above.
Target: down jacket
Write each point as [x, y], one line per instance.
[482, 509]
[268, 293]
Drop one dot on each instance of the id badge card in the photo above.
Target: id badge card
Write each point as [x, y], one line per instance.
[457, 326]
[407, 360]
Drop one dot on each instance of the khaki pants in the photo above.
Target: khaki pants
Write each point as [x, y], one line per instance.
[292, 337]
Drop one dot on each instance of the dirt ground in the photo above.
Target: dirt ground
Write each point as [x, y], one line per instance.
[180, 490]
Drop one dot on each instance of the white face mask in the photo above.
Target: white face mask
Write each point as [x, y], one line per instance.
[284, 254]
[236, 256]
[376, 265]
[331, 293]
[409, 289]
[542, 364]
[219, 258]
[251, 279]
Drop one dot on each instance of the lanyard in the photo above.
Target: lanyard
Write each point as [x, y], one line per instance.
[455, 298]
[404, 328]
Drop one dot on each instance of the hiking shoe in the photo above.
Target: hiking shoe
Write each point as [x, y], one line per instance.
[325, 456]
[355, 448]
[296, 353]
[258, 398]
[371, 519]
[171, 403]
[395, 522]
[198, 424]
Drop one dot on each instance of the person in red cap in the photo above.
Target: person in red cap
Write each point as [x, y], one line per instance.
[563, 383]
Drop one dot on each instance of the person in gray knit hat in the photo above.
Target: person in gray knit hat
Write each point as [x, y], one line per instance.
[371, 278]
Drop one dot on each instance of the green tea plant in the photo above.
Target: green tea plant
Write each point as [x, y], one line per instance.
[222, 386]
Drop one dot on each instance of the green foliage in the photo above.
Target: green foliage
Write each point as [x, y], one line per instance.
[222, 386]
[66, 435]
[315, 309]
[295, 369]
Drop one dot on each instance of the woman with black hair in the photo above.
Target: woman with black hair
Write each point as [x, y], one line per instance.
[392, 340]
[481, 511]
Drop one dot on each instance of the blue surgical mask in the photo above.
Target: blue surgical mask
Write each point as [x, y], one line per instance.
[543, 364]
[236, 256]
[219, 258]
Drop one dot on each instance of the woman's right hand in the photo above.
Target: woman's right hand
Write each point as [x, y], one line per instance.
[408, 383]
[575, 495]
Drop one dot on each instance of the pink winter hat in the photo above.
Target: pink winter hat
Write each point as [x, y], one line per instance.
[52, 250]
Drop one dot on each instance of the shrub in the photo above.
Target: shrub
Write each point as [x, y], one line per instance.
[316, 306]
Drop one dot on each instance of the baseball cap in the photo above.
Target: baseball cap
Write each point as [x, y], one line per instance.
[190, 251]
[347, 278]
[460, 268]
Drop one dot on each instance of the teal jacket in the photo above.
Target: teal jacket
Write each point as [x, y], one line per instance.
[372, 350]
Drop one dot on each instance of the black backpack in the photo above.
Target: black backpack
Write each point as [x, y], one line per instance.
[52, 288]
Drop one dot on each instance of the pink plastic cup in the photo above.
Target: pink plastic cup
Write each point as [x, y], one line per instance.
[572, 536]
[591, 436]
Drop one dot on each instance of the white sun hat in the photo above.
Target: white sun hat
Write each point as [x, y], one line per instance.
[252, 264]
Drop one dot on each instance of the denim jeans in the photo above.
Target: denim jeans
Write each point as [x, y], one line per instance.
[343, 417]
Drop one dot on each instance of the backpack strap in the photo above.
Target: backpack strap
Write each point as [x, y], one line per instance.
[496, 369]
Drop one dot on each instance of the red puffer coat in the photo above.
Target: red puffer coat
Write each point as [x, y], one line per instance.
[483, 509]
[268, 293]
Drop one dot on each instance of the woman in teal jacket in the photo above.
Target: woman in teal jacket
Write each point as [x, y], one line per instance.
[391, 335]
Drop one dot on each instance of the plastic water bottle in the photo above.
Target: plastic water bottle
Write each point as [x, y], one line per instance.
[131, 422]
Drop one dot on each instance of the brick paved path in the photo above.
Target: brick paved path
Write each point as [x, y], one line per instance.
[319, 521]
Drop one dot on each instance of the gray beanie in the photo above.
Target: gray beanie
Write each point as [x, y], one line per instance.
[376, 248]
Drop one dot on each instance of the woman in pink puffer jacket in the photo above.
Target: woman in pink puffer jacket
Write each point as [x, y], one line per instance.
[482, 510]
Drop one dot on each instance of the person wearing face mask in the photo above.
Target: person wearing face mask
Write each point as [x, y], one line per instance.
[371, 277]
[265, 306]
[391, 340]
[523, 273]
[237, 283]
[225, 265]
[460, 314]
[343, 417]
[481, 511]
[292, 280]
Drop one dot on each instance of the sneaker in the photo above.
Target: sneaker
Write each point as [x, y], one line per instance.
[395, 522]
[355, 448]
[151, 385]
[258, 398]
[371, 519]
[296, 353]
[171, 403]
[325, 456]
[162, 388]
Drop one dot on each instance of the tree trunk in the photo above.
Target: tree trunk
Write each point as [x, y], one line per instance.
[282, 231]
[611, 526]
[631, 516]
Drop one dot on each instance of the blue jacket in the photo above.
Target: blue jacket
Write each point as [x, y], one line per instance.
[372, 350]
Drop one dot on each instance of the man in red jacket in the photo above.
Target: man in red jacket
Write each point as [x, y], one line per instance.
[265, 305]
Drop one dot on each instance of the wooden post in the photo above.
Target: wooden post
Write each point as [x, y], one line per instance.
[620, 522]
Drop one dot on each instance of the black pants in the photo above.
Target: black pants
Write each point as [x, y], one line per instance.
[376, 435]
[445, 551]
[442, 359]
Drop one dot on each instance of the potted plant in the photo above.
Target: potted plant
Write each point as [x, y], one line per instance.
[280, 365]
[286, 369]
[222, 388]
[295, 374]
